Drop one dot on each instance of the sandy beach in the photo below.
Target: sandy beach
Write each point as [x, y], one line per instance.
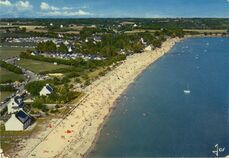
[76, 134]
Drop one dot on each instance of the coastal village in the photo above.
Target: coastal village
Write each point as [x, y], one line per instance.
[62, 70]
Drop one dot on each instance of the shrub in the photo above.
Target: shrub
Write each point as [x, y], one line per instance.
[10, 67]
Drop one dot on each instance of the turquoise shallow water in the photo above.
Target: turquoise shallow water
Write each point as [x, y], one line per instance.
[155, 118]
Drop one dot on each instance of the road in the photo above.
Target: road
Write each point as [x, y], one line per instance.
[29, 75]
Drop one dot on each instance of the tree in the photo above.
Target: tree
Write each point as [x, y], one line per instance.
[137, 47]
[157, 43]
[63, 48]
[10, 67]
[23, 29]
[35, 87]
[48, 46]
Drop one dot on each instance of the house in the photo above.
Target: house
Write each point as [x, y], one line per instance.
[46, 90]
[97, 39]
[15, 104]
[66, 43]
[18, 121]
[34, 53]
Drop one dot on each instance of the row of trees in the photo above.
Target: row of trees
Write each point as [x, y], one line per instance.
[7, 88]
[196, 23]
[10, 67]
[111, 45]
[73, 62]
[79, 62]
[50, 46]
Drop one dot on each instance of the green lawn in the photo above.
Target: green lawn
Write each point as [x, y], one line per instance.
[4, 95]
[6, 75]
[7, 52]
[39, 66]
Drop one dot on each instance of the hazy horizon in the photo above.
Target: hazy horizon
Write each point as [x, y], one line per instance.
[114, 9]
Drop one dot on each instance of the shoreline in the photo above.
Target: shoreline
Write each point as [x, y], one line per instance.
[92, 147]
[106, 118]
[87, 119]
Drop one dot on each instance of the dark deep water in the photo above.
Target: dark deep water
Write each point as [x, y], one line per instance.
[155, 118]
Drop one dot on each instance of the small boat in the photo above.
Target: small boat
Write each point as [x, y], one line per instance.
[187, 91]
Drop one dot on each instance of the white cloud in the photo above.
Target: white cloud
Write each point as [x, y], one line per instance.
[67, 8]
[81, 12]
[64, 11]
[67, 13]
[23, 5]
[46, 6]
[5, 3]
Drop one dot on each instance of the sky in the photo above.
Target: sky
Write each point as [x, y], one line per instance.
[113, 8]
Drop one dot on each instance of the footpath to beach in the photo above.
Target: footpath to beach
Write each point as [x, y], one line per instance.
[76, 134]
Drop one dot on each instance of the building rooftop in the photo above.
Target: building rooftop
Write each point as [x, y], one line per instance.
[22, 116]
[49, 88]
[18, 100]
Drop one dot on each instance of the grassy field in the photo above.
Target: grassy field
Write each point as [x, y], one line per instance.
[189, 30]
[70, 32]
[4, 95]
[9, 76]
[35, 28]
[39, 66]
[139, 31]
[8, 52]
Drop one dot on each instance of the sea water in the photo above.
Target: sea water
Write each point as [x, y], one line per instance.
[155, 118]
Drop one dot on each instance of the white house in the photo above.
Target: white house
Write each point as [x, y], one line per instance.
[46, 90]
[66, 43]
[33, 54]
[15, 104]
[18, 121]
